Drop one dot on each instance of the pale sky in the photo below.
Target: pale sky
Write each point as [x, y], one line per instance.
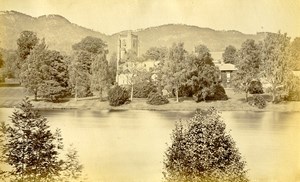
[111, 16]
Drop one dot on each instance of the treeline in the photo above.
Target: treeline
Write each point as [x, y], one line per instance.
[272, 61]
[52, 75]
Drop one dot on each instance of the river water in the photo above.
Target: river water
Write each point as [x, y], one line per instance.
[119, 146]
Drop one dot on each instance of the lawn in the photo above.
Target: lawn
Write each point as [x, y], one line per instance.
[11, 97]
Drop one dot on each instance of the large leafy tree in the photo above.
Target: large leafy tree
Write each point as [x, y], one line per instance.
[229, 54]
[90, 44]
[202, 151]
[276, 68]
[248, 66]
[32, 148]
[80, 73]
[26, 42]
[31, 73]
[55, 77]
[156, 53]
[202, 73]
[174, 68]
[94, 49]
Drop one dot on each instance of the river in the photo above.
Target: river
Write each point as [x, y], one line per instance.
[128, 146]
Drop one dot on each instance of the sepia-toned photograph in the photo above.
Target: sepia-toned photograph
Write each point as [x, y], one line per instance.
[150, 91]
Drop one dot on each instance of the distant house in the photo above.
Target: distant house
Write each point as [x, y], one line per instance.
[226, 70]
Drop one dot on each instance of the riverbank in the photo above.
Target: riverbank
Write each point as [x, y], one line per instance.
[11, 96]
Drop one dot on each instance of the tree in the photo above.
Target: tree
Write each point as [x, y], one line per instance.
[32, 149]
[55, 77]
[26, 42]
[248, 66]
[294, 54]
[99, 74]
[89, 48]
[202, 151]
[91, 44]
[132, 69]
[174, 68]
[202, 74]
[80, 73]
[71, 168]
[156, 53]
[31, 74]
[229, 54]
[275, 65]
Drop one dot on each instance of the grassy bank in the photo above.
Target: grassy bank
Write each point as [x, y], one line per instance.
[11, 97]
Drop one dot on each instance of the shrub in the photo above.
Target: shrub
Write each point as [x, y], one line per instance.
[256, 87]
[258, 101]
[202, 94]
[143, 90]
[117, 96]
[215, 92]
[294, 90]
[157, 99]
[202, 151]
[218, 93]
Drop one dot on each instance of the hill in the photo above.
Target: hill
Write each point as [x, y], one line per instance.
[60, 34]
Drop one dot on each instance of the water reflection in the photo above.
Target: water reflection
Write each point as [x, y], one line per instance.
[129, 145]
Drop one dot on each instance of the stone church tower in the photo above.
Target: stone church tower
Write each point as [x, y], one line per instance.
[126, 42]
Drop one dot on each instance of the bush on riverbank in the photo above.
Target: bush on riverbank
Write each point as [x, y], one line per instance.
[157, 99]
[203, 151]
[258, 101]
[215, 92]
[117, 96]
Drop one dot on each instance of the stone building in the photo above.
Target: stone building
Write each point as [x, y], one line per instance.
[126, 42]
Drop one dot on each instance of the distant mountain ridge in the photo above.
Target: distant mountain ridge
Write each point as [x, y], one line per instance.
[60, 34]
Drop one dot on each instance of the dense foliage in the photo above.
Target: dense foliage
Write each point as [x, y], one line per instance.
[55, 77]
[80, 73]
[294, 89]
[91, 44]
[214, 92]
[45, 72]
[31, 74]
[248, 63]
[174, 68]
[142, 90]
[99, 78]
[276, 68]
[32, 150]
[202, 151]
[229, 54]
[255, 87]
[26, 42]
[155, 98]
[117, 96]
[258, 101]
